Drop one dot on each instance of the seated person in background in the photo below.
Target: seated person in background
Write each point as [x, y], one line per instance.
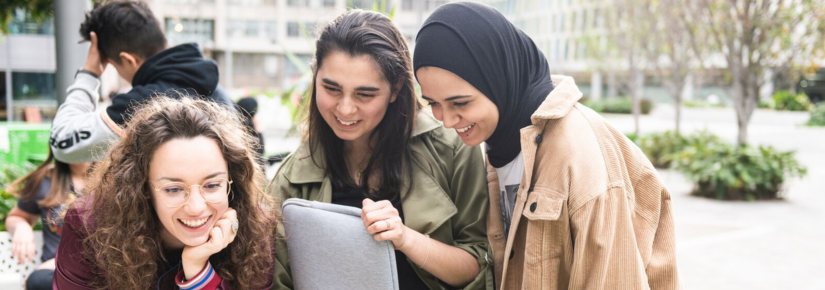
[41, 195]
[126, 35]
[248, 107]
[371, 146]
[178, 202]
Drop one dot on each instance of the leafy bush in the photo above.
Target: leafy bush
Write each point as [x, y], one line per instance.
[785, 101]
[702, 104]
[660, 147]
[765, 104]
[622, 105]
[8, 174]
[632, 136]
[724, 171]
[818, 115]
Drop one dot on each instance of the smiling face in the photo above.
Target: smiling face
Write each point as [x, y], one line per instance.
[352, 95]
[458, 104]
[190, 161]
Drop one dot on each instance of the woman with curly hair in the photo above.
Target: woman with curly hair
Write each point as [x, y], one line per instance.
[166, 205]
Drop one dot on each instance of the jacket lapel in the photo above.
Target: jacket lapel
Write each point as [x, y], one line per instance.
[557, 105]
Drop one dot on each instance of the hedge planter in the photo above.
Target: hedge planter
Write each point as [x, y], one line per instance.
[729, 172]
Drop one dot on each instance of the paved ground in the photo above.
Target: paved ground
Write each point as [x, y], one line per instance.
[732, 245]
[749, 245]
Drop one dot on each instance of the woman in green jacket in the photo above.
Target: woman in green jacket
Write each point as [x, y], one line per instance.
[370, 145]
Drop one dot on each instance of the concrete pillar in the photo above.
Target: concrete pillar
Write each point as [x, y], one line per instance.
[7, 76]
[596, 85]
[229, 66]
[687, 90]
[9, 111]
[68, 15]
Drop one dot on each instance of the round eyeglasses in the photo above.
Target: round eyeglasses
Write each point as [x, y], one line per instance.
[176, 194]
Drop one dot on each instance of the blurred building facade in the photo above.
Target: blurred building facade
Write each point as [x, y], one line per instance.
[563, 29]
[259, 45]
[27, 66]
[267, 45]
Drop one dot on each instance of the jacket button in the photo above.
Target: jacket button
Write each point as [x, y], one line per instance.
[512, 254]
[538, 138]
[533, 207]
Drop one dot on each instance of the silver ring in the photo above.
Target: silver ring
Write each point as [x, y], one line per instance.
[389, 227]
[235, 225]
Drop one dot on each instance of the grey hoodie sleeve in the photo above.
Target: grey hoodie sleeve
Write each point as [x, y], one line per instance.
[79, 133]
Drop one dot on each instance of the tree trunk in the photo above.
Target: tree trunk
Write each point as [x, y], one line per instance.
[677, 100]
[637, 81]
[741, 101]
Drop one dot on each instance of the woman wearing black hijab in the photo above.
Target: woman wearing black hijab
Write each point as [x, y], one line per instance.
[574, 203]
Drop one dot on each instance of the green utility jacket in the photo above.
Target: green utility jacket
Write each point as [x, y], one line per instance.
[448, 201]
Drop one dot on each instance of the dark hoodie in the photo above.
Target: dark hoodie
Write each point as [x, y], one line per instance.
[174, 71]
[81, 134]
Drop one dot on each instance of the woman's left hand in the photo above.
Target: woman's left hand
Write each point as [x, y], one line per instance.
[221, 235]
[384, 223]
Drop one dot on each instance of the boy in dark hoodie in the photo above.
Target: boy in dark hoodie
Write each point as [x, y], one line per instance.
[126, 35]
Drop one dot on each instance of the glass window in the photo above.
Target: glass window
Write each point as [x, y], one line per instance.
[363, 4]
[296, 29]
[329, 3]
[292, 29]
[292, 71]
[33, 90]
[296, 3]
[251, 29]
[190, 30]
[271, 30]
[562, 24]
[310, 28]
[235, 28]
[23, 23]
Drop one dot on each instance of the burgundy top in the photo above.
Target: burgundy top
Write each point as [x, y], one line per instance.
[74, 271]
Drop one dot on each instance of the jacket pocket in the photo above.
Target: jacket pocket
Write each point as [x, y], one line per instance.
[546, 227]
[544, 204]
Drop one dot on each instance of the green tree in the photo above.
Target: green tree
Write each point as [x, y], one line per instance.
[40, 10]
[675, 46]
[755, 36]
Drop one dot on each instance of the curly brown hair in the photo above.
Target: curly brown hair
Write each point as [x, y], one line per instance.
[124, 240]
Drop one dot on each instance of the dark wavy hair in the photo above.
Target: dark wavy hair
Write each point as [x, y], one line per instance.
[123, 227]
[60, 174]
[373, 34]
[124, 26]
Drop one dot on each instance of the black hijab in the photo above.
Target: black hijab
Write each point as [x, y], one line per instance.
[476, 42]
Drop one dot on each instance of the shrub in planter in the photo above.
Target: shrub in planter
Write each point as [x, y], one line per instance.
[818, 115]
[8, 174]
[729, 172]
[785, 101]
[702, 104]
[660, 147]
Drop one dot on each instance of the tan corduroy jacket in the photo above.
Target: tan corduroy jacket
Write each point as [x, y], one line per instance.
[591, 213]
